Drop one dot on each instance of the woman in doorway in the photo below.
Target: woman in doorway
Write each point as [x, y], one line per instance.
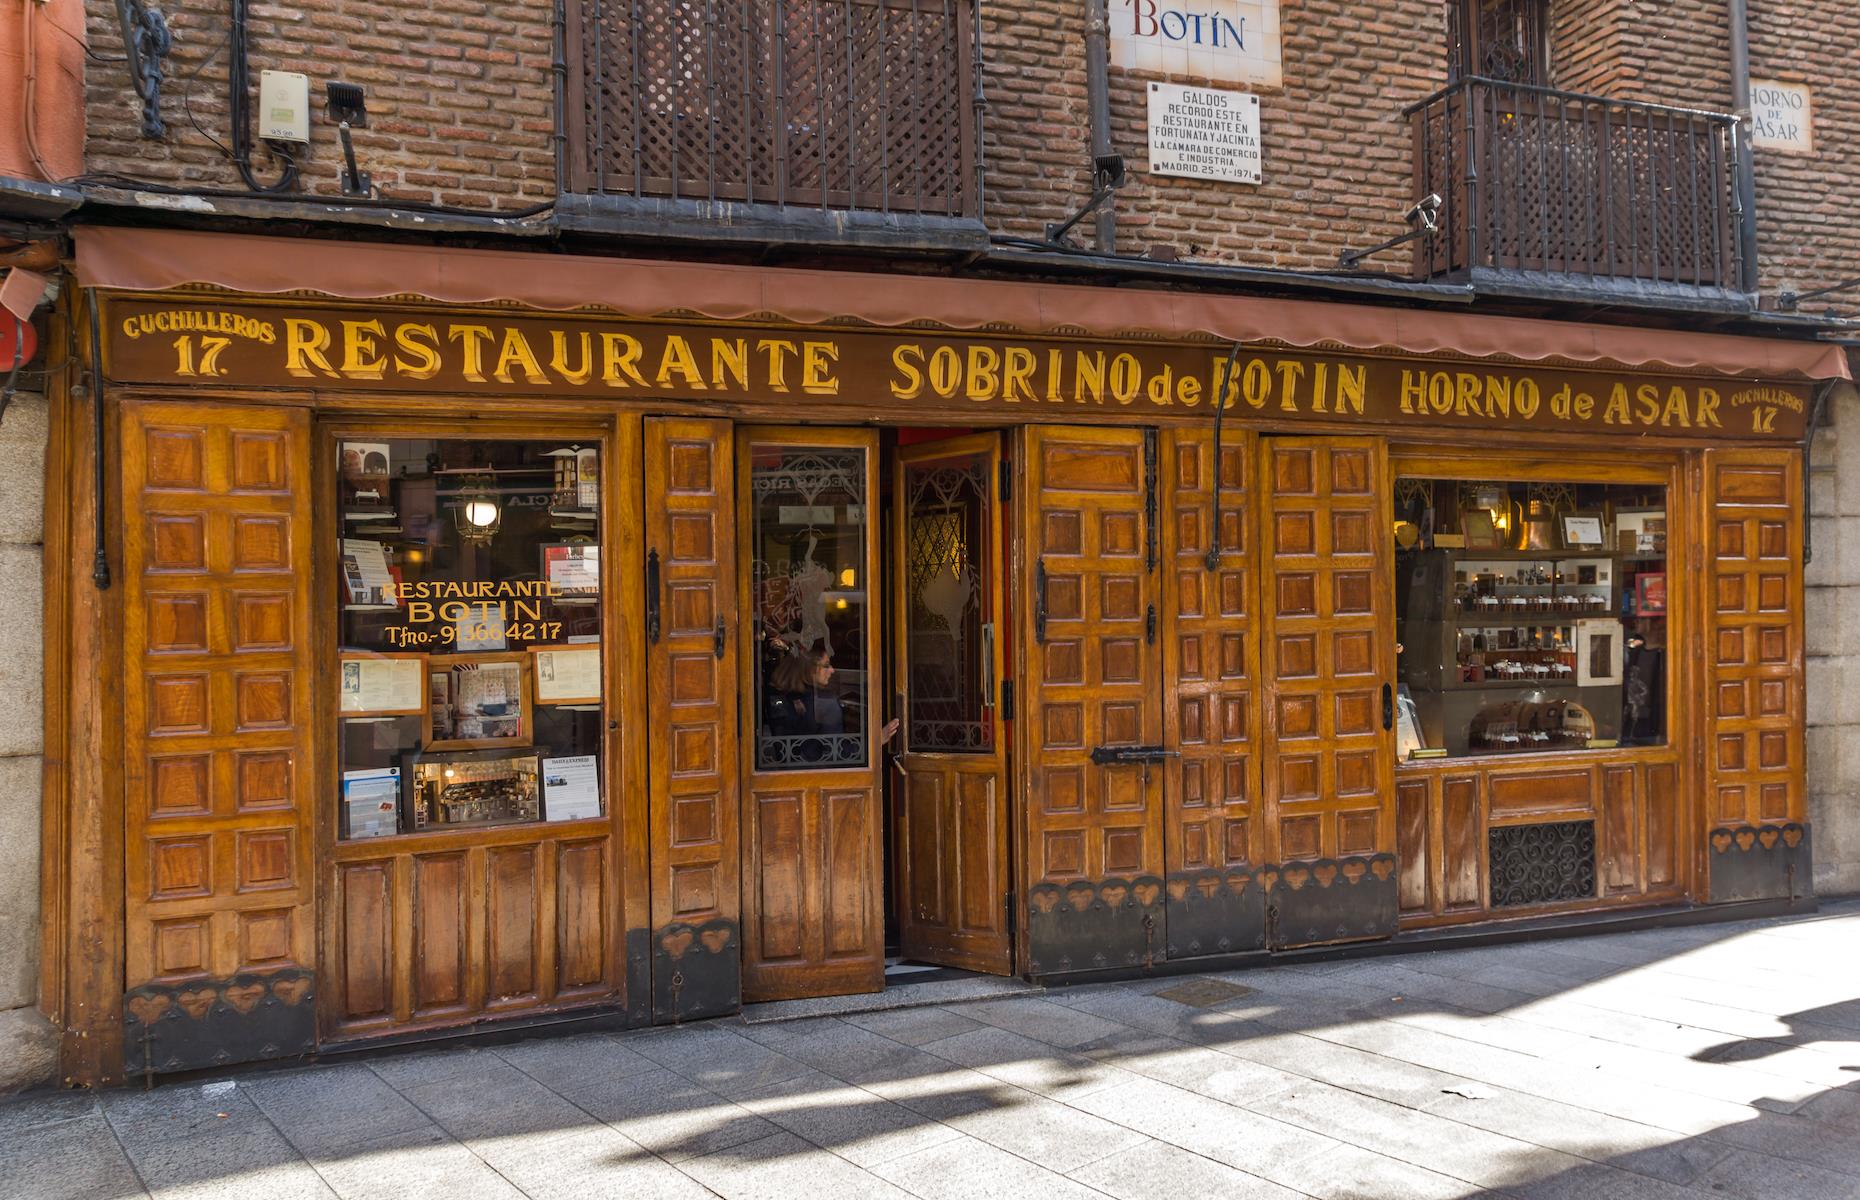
[805, 710]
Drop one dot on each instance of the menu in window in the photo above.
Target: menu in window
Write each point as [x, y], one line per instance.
[571, 787]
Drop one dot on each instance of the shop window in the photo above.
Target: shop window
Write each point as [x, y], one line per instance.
[1532, 617]
[470, 625]
[808, 537]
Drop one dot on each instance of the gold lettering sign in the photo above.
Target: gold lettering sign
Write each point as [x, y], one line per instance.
[154, 340]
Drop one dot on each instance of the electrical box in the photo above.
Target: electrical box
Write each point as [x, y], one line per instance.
[284, 106]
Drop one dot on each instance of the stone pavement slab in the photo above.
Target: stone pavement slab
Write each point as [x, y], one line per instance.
[1709, 1061]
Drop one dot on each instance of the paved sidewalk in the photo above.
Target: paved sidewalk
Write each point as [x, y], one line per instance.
[1667, 1065]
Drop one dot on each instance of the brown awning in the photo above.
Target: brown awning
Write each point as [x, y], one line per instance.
[155, 260]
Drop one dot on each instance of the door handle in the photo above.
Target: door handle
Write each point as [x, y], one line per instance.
[652, 597]
[1039, 600]
[1388, 706]
[720, 636]
[1106, 756]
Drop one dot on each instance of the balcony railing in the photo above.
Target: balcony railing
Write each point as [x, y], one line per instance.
[1543, 181]
[829, 104]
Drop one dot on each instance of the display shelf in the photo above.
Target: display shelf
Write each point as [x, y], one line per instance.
[1466, 553]
[1501, 685]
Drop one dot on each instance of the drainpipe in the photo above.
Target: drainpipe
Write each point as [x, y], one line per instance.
[1746, 162]
[1098, 95]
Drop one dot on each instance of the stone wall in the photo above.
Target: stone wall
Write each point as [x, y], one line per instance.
[27, 1043]
[1833, 582]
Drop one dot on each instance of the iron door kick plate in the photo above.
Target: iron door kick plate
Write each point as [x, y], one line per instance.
[1106, 756]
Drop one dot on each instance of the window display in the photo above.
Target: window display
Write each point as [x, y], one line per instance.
[1526, 623]
[469, 674]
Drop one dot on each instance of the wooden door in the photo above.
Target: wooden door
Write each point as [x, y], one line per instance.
[692, 619]
[813, 891]
[1327, 631]
[951, 805]
[219, 937]
[1756, 819]
[1092, 721]
[1211, 825]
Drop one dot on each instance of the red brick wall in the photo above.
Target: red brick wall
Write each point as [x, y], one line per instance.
[460, 100]
[1335, 149]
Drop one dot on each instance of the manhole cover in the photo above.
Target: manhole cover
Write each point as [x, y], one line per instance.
[1204, 993]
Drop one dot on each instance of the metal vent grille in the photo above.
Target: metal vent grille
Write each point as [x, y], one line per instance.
[1542, 864]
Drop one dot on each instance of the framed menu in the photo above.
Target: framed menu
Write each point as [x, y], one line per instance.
[567, 674]
[382, 685]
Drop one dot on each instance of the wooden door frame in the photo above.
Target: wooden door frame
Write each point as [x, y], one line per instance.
[623, 750]
[989, 444]
[866, 439]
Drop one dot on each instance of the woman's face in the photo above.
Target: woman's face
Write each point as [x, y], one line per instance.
[823, 672]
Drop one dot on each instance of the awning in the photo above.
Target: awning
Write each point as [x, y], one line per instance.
[157, 260]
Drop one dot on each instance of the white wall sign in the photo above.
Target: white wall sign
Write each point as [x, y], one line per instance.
[1222, 41]
[1781, 117]
[1204, 134]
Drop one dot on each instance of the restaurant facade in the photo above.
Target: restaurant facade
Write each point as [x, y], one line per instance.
[489, 639]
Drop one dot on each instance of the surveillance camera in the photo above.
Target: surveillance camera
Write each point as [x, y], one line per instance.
[1425, 212]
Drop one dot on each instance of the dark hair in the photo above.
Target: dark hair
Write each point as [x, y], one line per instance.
[795, 671]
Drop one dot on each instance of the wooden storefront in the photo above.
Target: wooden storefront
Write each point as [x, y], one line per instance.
[1165, 689]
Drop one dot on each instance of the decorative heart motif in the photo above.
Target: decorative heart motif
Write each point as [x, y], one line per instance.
[1045, 900]
[1238, 881]
[1745, 839]
[148, 1009]
[1769, 838]
[715, 940]
[1146, 893]
[1178, 889]
[1792, 836]
[244, 997]
[1114, 894]
[1355, 869]
[197, 1002]
[1326, 874]
[1383, 867]
[1267, 879]
[1296, 877]
[677, 942]
[1721, 841]
[291, 988]
[1080, 896]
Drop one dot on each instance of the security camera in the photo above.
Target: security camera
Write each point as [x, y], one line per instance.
[1425, 212]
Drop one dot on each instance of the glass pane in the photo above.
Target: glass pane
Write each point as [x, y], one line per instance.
[948, 639]
[470, 658]
[808, 531]
[1532, 617]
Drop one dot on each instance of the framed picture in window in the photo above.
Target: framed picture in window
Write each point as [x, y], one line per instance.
[486, 701]
[1582, 530]
[1650, 592]
[1598, 652]
[381, 685]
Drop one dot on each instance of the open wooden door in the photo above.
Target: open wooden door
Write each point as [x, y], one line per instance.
[952, 813]
[1327, 629]
[813, 889]
[691, 638]
[1091, 675]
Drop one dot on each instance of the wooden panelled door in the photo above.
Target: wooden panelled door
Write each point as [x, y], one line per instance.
[691, 619]
[813, 890]
[1092, 720]
[1327, 636]
[219, 937]
[951, 807]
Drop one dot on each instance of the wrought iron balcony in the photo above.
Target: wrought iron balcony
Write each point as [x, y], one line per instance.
[771, 114]
[1540, 185]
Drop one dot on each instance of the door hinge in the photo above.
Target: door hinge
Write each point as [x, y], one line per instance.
[1150, 504]
[1006, 481]
[1007, 700]
[1149, 625]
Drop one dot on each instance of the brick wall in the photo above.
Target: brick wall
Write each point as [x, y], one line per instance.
[460, 98]
[1335, 149]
